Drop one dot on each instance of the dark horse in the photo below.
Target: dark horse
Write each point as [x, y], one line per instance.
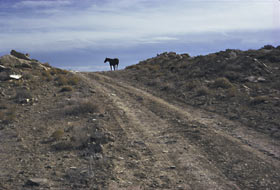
[113, 62]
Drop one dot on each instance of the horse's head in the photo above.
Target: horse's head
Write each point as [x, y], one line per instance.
[106, 60]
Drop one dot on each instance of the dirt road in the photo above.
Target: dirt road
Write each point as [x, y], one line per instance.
[164, 145]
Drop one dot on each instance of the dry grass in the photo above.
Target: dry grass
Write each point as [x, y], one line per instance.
[81, 108]
[57, 134]
[61, 80]
[73, 80]
[28, 76]
[57, 71]
[222, 83]
[66, 89]
[47, 75]
[233, 92]
[191, 85]
[202, 91]
[67, 80]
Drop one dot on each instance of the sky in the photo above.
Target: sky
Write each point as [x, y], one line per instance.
[80, 34]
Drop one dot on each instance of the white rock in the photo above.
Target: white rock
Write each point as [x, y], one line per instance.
[15, 76]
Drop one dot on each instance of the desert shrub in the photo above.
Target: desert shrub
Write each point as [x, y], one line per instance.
[202, 91]
[67, 80]
[81, 108]
[258, 100]
[66, 89]
[22, 94]
[89, 138]
[80, 136]
[57, 134]
[73, 80]
[61, 80]
[222, 83]
[268, 47]
[232, 75]
[28, 76]
[57, 71]
[47, 75]
[232, 92]
[191, 85]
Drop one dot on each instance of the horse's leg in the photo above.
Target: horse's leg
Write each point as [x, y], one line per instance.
[111, 67]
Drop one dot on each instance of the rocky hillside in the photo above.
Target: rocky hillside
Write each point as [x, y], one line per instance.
[241, 85]
[51, 133]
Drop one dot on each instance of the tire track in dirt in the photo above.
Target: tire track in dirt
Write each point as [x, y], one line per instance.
[187, 151]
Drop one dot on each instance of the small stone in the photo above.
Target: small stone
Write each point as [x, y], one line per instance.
[48, 167]
[37, 182]
[84, 171]
[92, 91]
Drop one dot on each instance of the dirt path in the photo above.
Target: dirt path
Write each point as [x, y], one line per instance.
[159, 145]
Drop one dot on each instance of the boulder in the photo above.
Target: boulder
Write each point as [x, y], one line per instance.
[9, 61]
[255, 79]
[20, 55]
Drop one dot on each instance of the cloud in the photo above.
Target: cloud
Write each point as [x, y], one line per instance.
[41, 3]
[126, 23]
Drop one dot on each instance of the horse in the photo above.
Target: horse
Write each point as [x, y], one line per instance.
[113, 62]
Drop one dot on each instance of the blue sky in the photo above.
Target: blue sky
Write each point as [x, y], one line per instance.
[78, 35]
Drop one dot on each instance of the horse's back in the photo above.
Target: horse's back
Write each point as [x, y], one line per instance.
[116, 60]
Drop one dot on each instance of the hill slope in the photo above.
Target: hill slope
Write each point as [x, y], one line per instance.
[170, 122]
[51, 128]
[241, 85]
